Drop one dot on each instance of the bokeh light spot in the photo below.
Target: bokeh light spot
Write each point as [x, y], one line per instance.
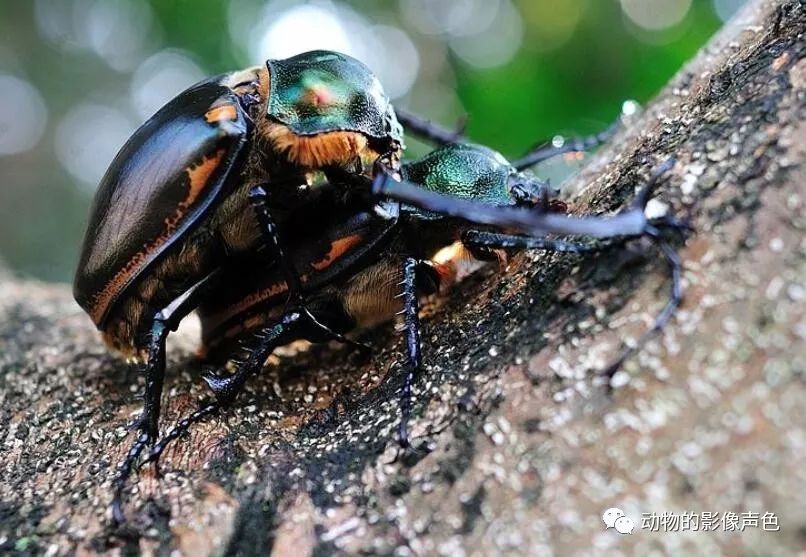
[285, 30]
[160, 78]
[495, 45]
[88, 138]
[117, 32]
[23, 115]
[396, 62]
[552, 23]
[303, 28]
[655, 15]
[630, 107]
[452, 18]
[726, 8]
[55, 20]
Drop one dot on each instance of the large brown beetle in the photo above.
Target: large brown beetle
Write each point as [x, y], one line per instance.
[203, 180]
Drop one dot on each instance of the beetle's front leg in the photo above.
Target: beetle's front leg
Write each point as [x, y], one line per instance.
[476, 239]
[227, 389]
[163, 323]
[676, 297]
[482, 239]
[293, 325]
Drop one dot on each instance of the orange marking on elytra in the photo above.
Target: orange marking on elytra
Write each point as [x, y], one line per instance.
[199, 175]
[198, 179]
[222, 112]
[214, 321]
[337, 249]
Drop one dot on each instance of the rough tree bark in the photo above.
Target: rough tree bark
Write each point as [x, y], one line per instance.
[522, 446]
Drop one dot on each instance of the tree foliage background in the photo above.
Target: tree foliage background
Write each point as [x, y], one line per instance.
[78, 76]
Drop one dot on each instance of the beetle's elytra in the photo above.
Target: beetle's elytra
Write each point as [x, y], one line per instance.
[164, 180]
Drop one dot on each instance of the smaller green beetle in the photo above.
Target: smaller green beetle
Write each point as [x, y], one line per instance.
[204, 180]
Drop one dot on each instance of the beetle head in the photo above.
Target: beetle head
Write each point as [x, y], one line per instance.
[320, 91]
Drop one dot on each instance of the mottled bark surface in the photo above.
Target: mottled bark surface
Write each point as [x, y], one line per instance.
[520, 444]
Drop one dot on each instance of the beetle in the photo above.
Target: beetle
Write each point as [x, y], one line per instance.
[370, 265]
[204, 180]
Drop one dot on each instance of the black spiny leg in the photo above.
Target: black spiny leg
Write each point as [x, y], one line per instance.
[411, 322]
[495, 240]
[164, 322]
[149, 419]
[548, 149]
[227, 389]
[268, 229]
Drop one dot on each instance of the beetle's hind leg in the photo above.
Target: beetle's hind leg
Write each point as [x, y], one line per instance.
[163, 323]
[148, 421]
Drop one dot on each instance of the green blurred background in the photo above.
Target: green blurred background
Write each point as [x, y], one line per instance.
[78, 76]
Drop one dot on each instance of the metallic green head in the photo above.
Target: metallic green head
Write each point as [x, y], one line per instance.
[470, 172]
[322, 91]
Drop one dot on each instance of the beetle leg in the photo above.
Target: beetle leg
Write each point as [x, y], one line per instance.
[226, 389]
[148, 420]
[495, 240]
[475, 238]
[288, 328]
[268, 229]
[549, 149]
[676, 297]
[419, 126]
[411, 323]
[164, 322]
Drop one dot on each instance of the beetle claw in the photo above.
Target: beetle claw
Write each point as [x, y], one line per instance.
[672, 224]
